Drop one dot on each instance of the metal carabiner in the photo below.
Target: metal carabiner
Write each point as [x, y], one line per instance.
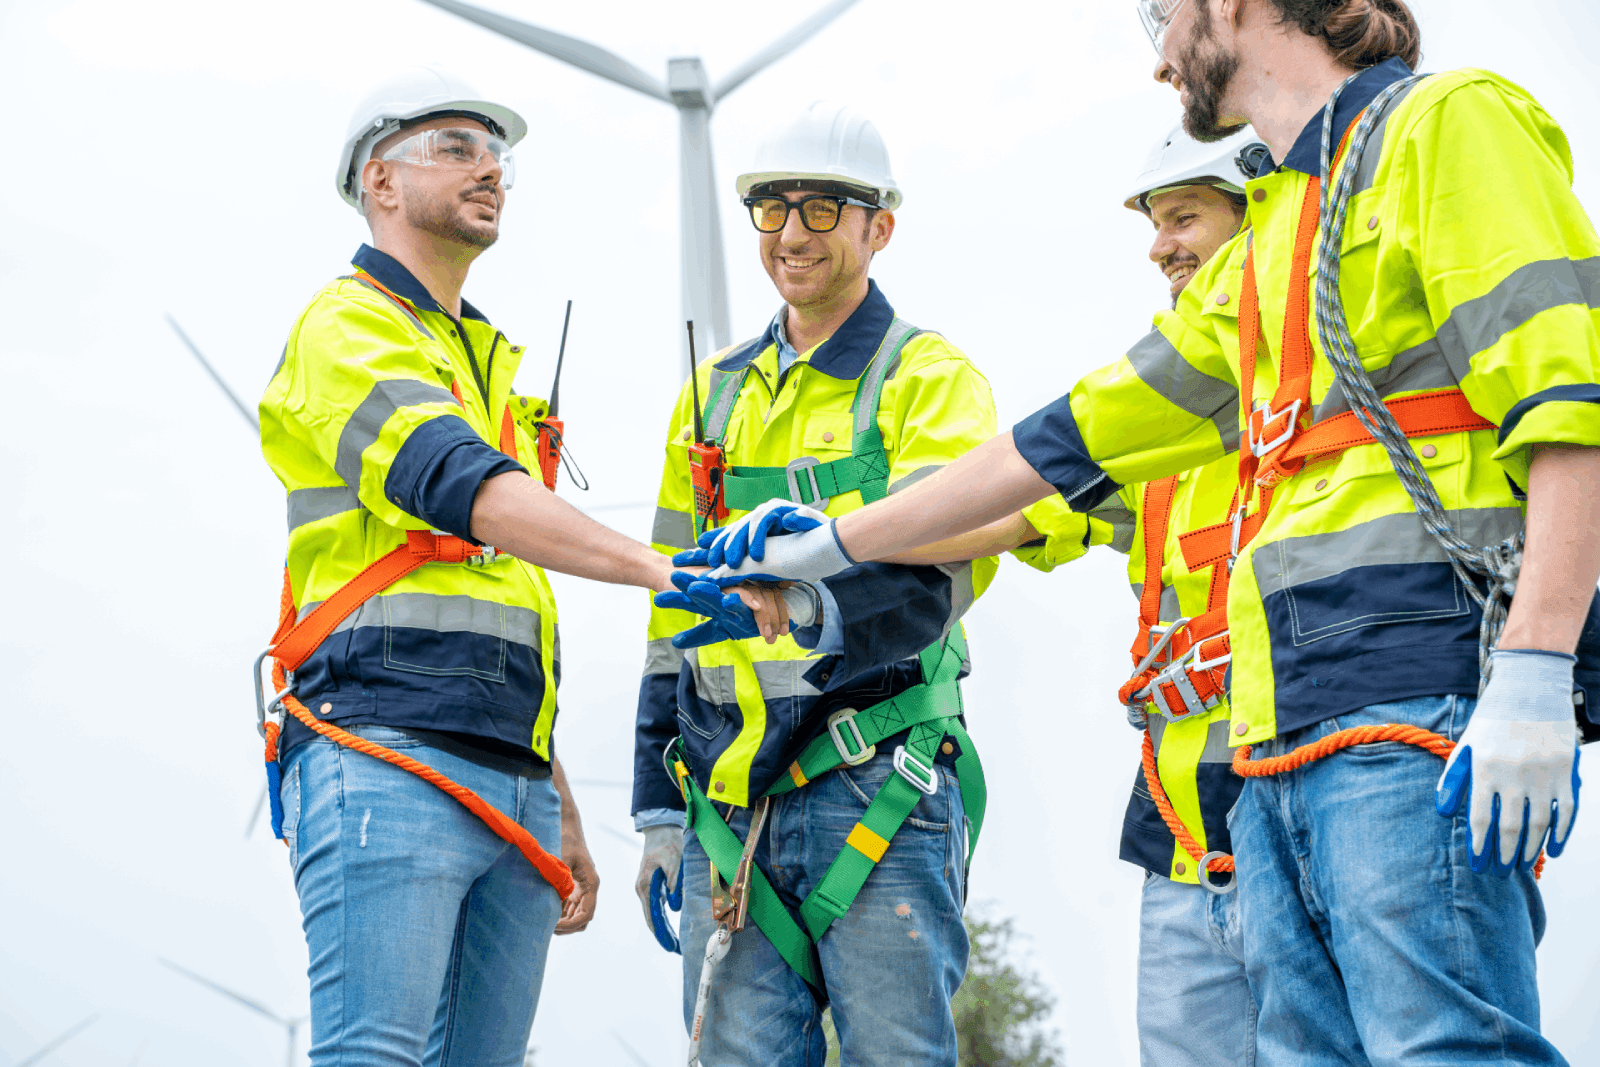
[263, 706]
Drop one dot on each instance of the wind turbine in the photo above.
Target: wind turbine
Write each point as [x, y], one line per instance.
[688, 88]
[57, 1042]
[291, 1027]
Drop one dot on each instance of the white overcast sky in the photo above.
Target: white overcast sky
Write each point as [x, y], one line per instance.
[191, 148]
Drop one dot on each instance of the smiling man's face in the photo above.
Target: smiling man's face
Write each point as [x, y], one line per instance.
[1191, 224]
[815, 269]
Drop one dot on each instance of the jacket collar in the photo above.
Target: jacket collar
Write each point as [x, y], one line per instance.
[844, 355]
[1306, 155]
[400, 281]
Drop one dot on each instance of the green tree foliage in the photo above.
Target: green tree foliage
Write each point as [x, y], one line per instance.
[1000, 1009]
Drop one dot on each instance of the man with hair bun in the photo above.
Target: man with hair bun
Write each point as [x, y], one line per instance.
[1408, 344]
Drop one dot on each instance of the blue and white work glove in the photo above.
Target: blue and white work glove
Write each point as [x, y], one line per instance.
[660, 881]
[778, 541]
[727, 618]
[1516, 765]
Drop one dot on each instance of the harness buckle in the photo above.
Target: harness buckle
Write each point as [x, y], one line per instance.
[923, 777]
[863, 751]
[484, 560]
[1167, 633]
[1176, 674]
[1263, 417]
[794, 467]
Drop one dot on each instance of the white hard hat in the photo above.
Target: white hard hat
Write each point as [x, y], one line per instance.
[413, 93]
[827, 142]
[1179, 160]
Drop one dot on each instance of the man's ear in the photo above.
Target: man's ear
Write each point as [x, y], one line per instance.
[882, 230]
[380, 180]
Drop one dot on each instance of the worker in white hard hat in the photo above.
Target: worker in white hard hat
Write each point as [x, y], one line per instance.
[1194, 1003]
[833, 762]
[417, 658]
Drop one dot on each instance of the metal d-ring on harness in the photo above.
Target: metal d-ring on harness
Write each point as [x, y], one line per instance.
[1498, 565]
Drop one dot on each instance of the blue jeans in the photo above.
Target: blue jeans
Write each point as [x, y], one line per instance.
[1367, 938]
[891, 964]
[427, 932]
[1195, 1007]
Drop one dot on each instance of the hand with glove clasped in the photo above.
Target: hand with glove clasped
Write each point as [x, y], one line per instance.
[780, 540]
[660, 881]
[728, 618]
[1516, 765]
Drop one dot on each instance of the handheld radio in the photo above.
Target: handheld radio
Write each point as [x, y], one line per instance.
[706, 461]
[548, 448]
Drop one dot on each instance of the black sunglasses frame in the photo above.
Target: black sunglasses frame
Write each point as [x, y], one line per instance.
[751, 201]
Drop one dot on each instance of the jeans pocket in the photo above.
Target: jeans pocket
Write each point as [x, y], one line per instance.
[931, 813]
[289, 797]
[387, 736]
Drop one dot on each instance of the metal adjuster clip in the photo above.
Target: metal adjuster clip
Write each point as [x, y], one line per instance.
[794, 467]
[923, 777]
[863, 751]
[1167, 634]
[488, 556]
[1268, 417]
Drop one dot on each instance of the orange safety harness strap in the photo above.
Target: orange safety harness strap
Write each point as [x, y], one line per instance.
[293, 643]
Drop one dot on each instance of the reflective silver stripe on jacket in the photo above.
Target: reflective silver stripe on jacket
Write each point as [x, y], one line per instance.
[446, 614]
[780, 679]
[880, 368]
[1478, 325]
[366, 421]
[1160, 366]
[1123, 522]
[962, 592]
[915, 476]
[1422, 366]
[1392, 539]
[661, 658]
[1170, 611]
[1216, 750]
[309, 505]
[675, 529]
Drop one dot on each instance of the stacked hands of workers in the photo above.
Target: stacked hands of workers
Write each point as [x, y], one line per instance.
[753, 578]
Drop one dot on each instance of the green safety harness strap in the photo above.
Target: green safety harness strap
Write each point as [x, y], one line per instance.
[931, 710]
[808, 480]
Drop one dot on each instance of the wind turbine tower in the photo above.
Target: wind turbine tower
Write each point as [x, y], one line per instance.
[688, 88]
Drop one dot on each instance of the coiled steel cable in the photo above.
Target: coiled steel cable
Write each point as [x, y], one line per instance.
[1497, 565]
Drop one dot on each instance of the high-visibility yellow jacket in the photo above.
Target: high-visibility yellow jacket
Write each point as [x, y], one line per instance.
[745, 709]
[360, 425]
[1466, 262]
[1192, 755]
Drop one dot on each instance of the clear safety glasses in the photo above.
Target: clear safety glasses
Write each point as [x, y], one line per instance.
[1156, 16]
[458, 148]
[819, 214]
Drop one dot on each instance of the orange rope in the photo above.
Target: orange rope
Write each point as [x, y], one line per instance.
[1246, 767]
[1164, 806]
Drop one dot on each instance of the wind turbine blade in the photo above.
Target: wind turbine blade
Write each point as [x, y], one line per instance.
[255, 1006]
[580, 54]
[60, 1040]
[640, 1060]
[255, 814]
[779, 48]
[631, 840]
[249, 416]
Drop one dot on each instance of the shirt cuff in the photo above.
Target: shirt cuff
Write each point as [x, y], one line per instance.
[830, 639]
[649, 817]
[436, 474]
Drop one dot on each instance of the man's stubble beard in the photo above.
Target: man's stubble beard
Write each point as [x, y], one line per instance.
[441, 219]
[1206, 74]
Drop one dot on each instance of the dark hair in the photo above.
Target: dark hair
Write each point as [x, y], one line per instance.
[1361, 33]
